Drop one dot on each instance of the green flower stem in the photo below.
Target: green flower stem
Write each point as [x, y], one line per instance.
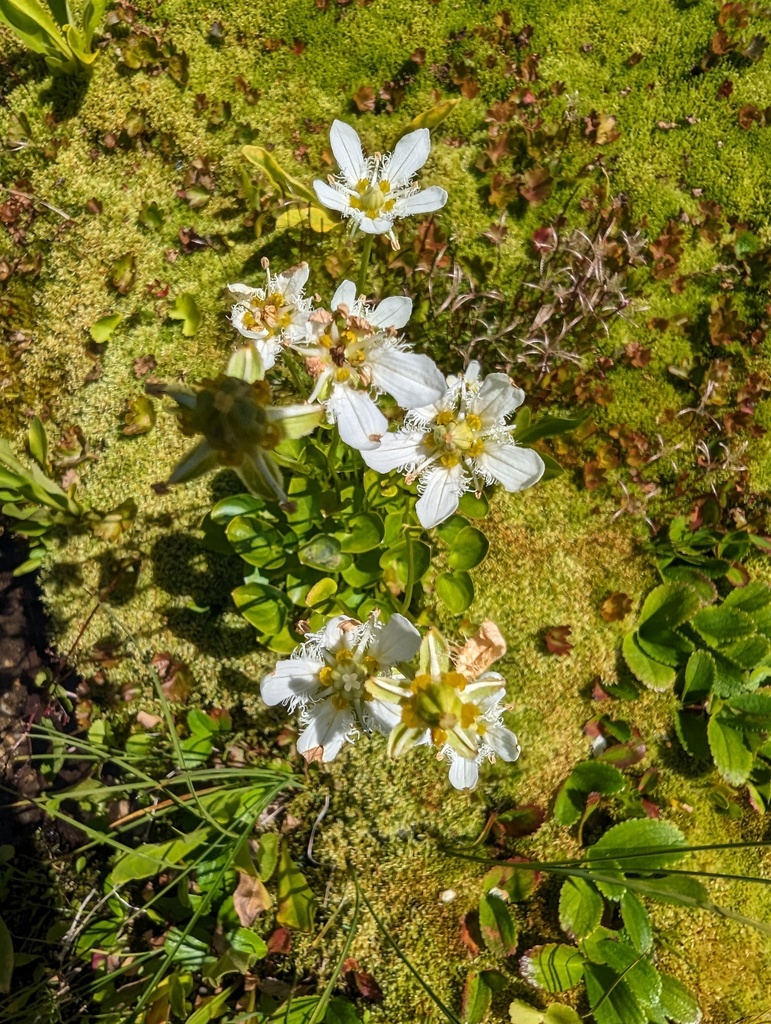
[290, 361]
[410, 579]
[363, 266]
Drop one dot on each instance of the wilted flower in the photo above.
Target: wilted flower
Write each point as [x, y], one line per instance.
[241, 428]
[375, 191]
[354, 353]
[460, 443]
[456, 707]
[327, 678]
[272, 316]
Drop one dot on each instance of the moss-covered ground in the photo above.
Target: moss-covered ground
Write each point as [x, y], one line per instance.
[142, 169]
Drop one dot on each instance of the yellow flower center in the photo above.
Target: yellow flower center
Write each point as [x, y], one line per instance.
[455, 437]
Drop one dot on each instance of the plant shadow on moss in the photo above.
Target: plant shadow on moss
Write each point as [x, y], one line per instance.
[66, 94]
[183, 566]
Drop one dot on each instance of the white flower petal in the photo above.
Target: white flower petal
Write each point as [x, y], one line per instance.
[291, 282]
[334, 638]
[397, 641]
[486, 692]
[330, 197]
[443, 488]
[382, 716]
[242, 292]
[378, 226]
[344, 296]
[360, 422]
[408, 157]
[503, 741]
[400, 450]
[514, 467]
[413, 380]
[327, 728]
[346, 146]
[294, 680]
[496, 399]
[394, 311]
[425, 201]
[464, 772]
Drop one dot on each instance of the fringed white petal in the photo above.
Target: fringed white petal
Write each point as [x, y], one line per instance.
[464, 771]
[514, 467]
[397, 641]
[294, 681]
[393, 311]
[402, 449]
[408, 157]
[496, 399]
[345, 295]
[327, 727]
[426, 201]
[360, 422]
[441, 494]
[413, 380]
[330, 197]
[346, 146]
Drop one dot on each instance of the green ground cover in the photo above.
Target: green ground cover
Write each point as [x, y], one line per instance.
[123, 193]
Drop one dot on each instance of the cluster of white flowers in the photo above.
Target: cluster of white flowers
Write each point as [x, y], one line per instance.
[456, 437]
[345, 680]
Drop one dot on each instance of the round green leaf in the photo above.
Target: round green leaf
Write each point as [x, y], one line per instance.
[236, 505]
[323, 552]
[468, 549]
[264, 606]
[450, 528]
[364, 532]
[256, 542]
[455, 590]
[472, 506]
[321, 592]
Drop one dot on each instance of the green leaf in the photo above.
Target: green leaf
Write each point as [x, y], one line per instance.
[677, 1002]
[123, 273]
[692, 732]
[476, 1000]
[638, 973]
[553, 968]
[139, 416]
[244, 940]
[211, 1008]
[283, 181]
[523, 1013]
[38, 442]
[6, 958]
[699, 677]
[468, 549]
[433, 116]
[323, 552]
[754, 708]
[186, 310]
[667, 607]
[364, 532]
[320, 592]
[517, 882]
[732, 756]
[472, 506]
[580, 908]
[238, 504]
[340, 1011]
[101, 330]
[455, 590]
[398, 558]
[497, 926]
[152, 858]
[586, 777]
[295, 901]
[637, 922]
[256, 541]
[659, 842]
[448, 530]
[611, 1000]
[652, 673]
[262, 605]
[752, 598]
[559, 1014]
[267, 855]
[308, 215]
[547, 426]
[722, 625]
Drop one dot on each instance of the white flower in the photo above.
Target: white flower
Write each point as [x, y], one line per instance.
[458, 711]
[354, 353]
[327, 678]
[375, 191]
[460, 443]
[272, 316]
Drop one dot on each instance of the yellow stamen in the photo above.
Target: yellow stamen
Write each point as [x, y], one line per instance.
[443, 418]
[455, 679]
[344, 655]
[474, 422]
[420, 682]
[476, 448]
[342, 374]
[449, 460]
[384, 186]
[325, 341]
[467, 715]
[326, 675]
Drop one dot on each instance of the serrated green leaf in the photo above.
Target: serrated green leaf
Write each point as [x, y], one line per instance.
[732, 756]
[553, 967]
[652, 673]
[699, 677]
[586, 777]
[580, 908]
[722, 625]
[637, 922]
[611, 999]
[497, 926]
[476, 999]
[667, 607]
[691, 729]
[658, 841]
[677, 1002]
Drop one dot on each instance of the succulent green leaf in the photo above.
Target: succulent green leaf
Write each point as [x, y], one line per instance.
[363, 532]
[468, 549]
[262, 605]
[323, 552]
[455, 590]
[283, 181]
